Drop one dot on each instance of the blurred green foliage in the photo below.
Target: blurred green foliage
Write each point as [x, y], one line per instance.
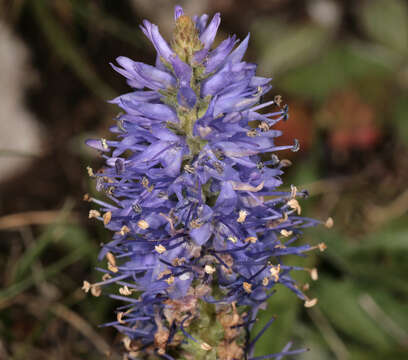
[346, 74]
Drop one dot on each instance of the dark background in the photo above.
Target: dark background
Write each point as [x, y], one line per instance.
[342, 66]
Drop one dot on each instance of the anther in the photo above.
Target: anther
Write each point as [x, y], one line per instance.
[125, 291]
[310, 302]
[275, 270]
[294, 204]
[286, 233]
[251, 239]
[296, 146]
[247, 287]
[206, 346]
[209, 269]
[170, 280]
[160, 249]
[242, 216]
[124, 230]
[104, 144]
[119, 317]
[90, 171]
[143, 224]
[94, 214]
[329, 223]
[107, 217]
[188, 168]
[313, 274]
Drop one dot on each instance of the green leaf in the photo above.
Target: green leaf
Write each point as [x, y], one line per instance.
[337, 68]
[387, 22]
[339, 300]
[282, 47]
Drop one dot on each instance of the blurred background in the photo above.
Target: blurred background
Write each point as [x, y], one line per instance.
[342, 66]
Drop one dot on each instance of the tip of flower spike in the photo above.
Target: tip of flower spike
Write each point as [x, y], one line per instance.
[186, 41]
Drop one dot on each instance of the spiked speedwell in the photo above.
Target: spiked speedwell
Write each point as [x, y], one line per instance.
[200, 229]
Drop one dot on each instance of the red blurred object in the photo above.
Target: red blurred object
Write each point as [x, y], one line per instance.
[351, 123]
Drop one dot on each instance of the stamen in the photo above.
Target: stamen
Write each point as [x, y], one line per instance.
[242, 216]
[251, 239]
[310, 302]
[209, 269]
[143, 224]
[169, 280]
[247, 287]
[125, 291]
[160, 249]
[90, 171]
[329, 223]
[94, 214]
[233, 239]
[104, 144]
[286, 233]
[275, 270]
[205, 346]
[124, 230]
[107, 217]
[294, 204]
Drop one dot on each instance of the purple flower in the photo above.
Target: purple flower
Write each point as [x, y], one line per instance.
[191, 184]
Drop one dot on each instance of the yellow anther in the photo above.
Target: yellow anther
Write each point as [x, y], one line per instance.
[310, 302]
[251, 239]
[206, 346]
[104, 144]
[90, 171]
[286, 233]
[314, 274]
[163, 273]
[106, 277]
[143, 224]
[329, 223]
[247, 287]
[124, 230]
[275, 270]
[160, 249]
[294, 204]
[94, 214]
[233, 239]
[170, 280]
[111, 258]
[107, 217]
[86, 286]
[293, 191]
[125, 291]
[209, 269]
[119, 317]
[242, 216]
[113, 268]
[96, 290]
